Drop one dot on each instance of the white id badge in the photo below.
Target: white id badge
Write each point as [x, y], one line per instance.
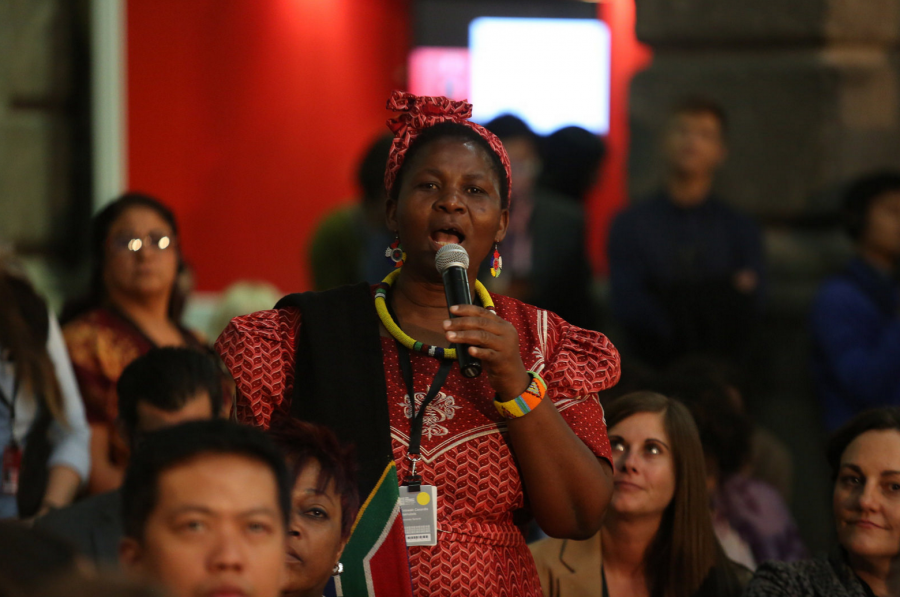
[419, 509]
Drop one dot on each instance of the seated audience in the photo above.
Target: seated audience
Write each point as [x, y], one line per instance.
[657, 537]
[44, 437]
[324, 503]
[770, 460]
[30, 559]
[164, 387]
[856, 314]
[134, 305]
[686, 270]
[543, 255]
[348, 245]
[206, 505]
[865, 460]
[751, 520]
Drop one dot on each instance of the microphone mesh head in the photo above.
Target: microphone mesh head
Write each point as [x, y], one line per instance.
[449, 255]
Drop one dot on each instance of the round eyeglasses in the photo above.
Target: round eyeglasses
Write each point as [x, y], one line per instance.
[154, 240]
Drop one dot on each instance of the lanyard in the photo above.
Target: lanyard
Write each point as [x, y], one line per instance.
[418, 418]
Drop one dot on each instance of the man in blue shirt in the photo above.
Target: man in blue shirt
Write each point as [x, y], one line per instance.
[856, 314]
[686, 270]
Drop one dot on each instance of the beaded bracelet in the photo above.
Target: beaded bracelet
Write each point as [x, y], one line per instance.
[527, 402]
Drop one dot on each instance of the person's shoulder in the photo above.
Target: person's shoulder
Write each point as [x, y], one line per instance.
[265, 323]
[791, 578]
[643, 207]
[82, 515]
[86, 332]
[546, 551]
[550, 203]
[87, 320]
[839, 291]
[730, 212]
[340, 219]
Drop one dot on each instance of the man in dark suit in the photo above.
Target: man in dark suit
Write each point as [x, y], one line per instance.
[162, 388]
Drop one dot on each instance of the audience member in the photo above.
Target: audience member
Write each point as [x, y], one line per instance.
[338, 358]
[856, 314]
[865, 460]
[348, 246]
[544, 258]
[30, 559]
[571, 160]
[770, 460]
[44, 436]
[134, 305]
[324, 503]
[751, 520]
[686, 270]
[657, 538]
[205, 506]
[164, 387]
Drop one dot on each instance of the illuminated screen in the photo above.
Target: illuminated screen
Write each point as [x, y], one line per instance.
[550, 72]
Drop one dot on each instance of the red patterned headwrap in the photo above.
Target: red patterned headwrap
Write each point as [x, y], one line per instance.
[419, 113]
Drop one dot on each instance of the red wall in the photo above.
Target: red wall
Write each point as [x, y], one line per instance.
[247, 117]
[627, 57]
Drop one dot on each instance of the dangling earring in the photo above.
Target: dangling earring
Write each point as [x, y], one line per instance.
[497, 262]
[338, 569]
[395, 253]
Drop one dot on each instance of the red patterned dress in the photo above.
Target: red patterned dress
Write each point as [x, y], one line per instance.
[465, 448]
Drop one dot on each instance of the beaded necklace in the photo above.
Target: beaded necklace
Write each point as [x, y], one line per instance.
[400, 336]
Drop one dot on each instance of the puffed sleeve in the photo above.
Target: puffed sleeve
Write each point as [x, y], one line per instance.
[71, 442]
[259, 351]
[576, 364]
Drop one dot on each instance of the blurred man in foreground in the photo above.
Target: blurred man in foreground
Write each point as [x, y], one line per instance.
[205, 508]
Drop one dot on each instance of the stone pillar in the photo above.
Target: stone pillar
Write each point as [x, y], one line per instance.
[36, 93]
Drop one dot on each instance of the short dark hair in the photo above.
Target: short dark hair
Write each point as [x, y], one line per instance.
[172, 446]
[698, 104]
[724, 430]
[877, 419]
[509, 126]
[571, 158]
[860, 195]
[445, 130]
[370, 173]
[301, 443]
[167, 378]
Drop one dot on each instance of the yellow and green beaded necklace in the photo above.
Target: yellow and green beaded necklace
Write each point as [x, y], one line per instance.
[400, 336]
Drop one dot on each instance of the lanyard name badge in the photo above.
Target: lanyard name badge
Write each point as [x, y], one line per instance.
[12, 454]
[418, 502]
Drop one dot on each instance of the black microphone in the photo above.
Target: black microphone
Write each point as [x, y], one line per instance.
[452, 261]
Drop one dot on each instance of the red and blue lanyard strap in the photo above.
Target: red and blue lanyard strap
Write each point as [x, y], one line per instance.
[413, 453]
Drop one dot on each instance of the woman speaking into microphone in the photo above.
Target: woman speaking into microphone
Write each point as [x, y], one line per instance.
[465, 459]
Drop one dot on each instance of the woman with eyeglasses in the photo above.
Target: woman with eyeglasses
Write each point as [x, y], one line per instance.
[133, 305]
